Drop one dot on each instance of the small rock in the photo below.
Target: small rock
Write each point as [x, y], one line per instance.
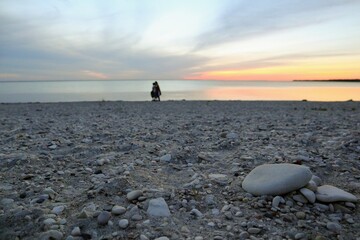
[300, 198]
[58, 210]
[158, 208]
[103, 218]
[276, 201]
[166, 158]
[244, 235]
[51, 235]
[76, 231]
[49, 221]
[196, 212]
[133, 195]
[123, 223]
[118, 210]
[316, 180]
[300, 215]
[333, 226]
[308, 194]
[253, 230]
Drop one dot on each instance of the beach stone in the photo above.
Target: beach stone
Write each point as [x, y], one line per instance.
[123, 223]
[333, 226]
[328, 193]
[103, 218]
[76, 231]
[133, 195]
[316, 180]
[312, 186]
[58, 210]
[276, 201]
[166, 158]
[276, 179]
[254, 230]
[118, 210]
[232, 135]
[220, 178]
[308, 194]
[158, 208]
[51, 235]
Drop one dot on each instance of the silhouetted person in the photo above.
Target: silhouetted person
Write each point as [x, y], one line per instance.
[155, 92]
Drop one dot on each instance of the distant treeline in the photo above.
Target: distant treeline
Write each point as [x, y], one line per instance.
[330, 80]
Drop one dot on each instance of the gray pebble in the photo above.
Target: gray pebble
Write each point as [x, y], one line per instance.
[333, 226]
[253, 230]
[76, 231]
[51, 235]
[103, 218]
[118, 210]
[123, 223]
[133, 195]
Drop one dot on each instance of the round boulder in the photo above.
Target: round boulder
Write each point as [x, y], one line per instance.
[276, 179]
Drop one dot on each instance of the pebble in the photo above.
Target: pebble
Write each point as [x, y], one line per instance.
[333, 226]
[51, 235]
[133, 195]
[308, 194]
[253, 230]
[196, 212]
[118, 210]
[276, 201]
[123, 223]
[76, 231]
[58, 210]
[103, 218]
[158, 208]
[165, 158]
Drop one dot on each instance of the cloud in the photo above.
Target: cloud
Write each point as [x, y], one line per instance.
[246, 19]
[32, 52]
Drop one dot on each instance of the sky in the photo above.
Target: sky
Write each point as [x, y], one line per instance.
[189, 39]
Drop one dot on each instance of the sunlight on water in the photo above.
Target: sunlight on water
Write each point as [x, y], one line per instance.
[139, 90]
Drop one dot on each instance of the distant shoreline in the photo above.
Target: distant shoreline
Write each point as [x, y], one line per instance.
[329, 80]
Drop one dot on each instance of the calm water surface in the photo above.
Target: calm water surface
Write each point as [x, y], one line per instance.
[139, 90]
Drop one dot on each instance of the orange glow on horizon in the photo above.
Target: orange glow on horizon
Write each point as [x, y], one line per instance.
[311, 69]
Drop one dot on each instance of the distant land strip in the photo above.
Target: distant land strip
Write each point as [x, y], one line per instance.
[330, 80]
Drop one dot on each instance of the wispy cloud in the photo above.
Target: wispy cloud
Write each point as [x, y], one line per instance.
[244, 19]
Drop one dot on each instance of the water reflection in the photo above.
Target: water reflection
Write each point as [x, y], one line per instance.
[286, 93]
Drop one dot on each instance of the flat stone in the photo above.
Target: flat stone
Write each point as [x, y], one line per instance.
[158, 208]
[166, 158]
[218, 177]
[276, 179]
[308, 194]
[58, 209]
[133, 195]
[328, 193]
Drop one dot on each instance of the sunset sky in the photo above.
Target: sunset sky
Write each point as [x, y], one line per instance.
[188, 39]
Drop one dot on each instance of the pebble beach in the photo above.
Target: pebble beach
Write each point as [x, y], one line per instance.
[180, 170]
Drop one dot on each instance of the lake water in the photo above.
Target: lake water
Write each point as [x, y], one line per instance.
[139, 90]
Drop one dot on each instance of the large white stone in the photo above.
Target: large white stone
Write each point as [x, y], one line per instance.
[328, 193]
[276, 179]
[158, 208]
